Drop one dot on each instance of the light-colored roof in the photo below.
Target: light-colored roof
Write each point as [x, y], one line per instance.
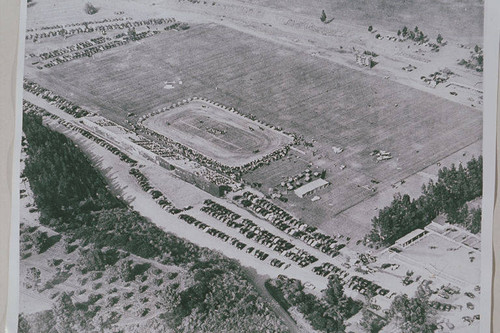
[409, 236]
[304, 189]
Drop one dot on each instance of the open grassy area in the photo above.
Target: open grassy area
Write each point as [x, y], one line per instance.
[433, 16]
[332, 104]
[303, 94]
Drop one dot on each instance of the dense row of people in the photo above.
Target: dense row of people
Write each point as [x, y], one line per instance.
[52, 98]
[169, 153]
[287, 223]
[261, 236]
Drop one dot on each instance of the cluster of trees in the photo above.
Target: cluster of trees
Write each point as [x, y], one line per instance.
[416, 34]
[475, 61]
[448, 195]
[34, 241]
[371, 322]
[327, 314]
[323, 18]
[468, 218]
[75, 201]
[63, 180]
[219, 300]
[413, 315]
[74, 198]
[410, 314]
[90, 9]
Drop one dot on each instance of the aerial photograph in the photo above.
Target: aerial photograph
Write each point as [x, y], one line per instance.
[251, 166]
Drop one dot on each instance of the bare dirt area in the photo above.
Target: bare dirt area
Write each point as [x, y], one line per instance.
[443, 262]
[219, 134]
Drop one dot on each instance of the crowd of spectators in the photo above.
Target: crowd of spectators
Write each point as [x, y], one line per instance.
[201, 171]
[287, 223]
[234, 172]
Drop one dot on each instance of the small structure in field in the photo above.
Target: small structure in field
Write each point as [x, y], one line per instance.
[311, 187]
[411, 238]
[364, 59]
[90, 9]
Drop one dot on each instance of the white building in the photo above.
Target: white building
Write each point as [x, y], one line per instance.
[411, 237]
[311, 187]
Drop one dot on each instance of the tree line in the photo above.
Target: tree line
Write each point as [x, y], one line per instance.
[326, 314]
[447, 195]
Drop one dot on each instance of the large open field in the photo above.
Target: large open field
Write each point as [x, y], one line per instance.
[433, 16]
[219, 134]
[324, 101]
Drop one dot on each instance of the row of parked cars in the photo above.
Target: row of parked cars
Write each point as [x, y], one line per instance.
[88, 52]
[233, 240]
[288, 224]
[214, 232]
[72, 48]
[363, 286]
[329, 269]
[158, 196]
[29, 107]
[252, 231]
[58, 101]
[442, 306]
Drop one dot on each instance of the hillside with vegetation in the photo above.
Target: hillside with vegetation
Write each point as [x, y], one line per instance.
[127, 274]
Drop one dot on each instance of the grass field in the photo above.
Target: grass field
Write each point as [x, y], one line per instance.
[432, 16]
[334, 105]
[219, 134]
